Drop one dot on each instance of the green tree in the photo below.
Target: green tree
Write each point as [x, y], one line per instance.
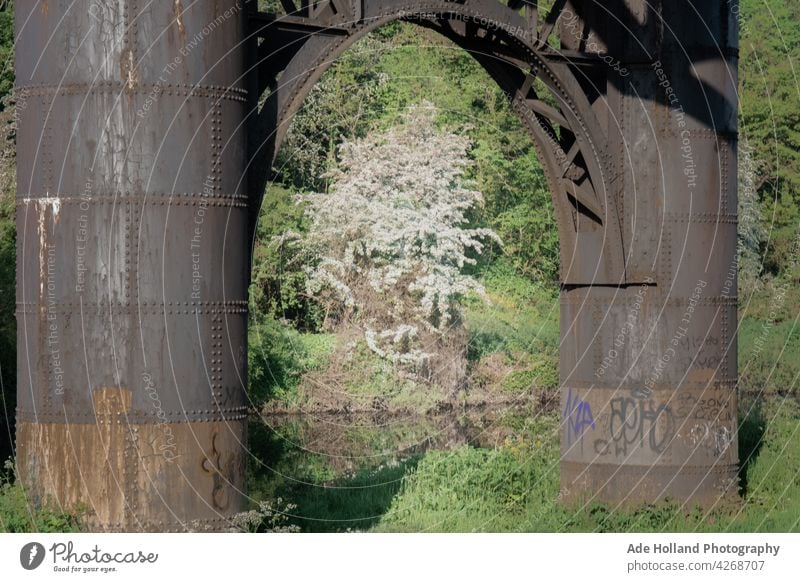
[8, 327]
[6, 48]
[770, 116]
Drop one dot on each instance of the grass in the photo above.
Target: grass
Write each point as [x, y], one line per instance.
[515, 488]
[279, 357]
[342, 488]
[468, 489]
[371, 379]
[519, 317]
[769, 339]
[18, 514]
[342, 377]
[514, 336]
[353, 502]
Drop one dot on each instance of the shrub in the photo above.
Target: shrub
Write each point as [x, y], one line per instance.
[268, 517]
[752, 233]
[19, 515]
[392, 240]
[8, 323]
[278, 356]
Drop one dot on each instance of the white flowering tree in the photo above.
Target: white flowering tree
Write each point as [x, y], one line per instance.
[392, 239]
[752, 233]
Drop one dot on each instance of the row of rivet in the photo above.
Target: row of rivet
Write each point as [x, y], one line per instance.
[701, 217]
[216, 92]
[133, 310]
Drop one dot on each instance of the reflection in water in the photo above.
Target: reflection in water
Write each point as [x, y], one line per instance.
[342, 471]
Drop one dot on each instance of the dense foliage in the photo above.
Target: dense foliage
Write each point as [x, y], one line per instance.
[6, 48]
[8, 327]
[770, 118]
[8, 189]
[17, 515]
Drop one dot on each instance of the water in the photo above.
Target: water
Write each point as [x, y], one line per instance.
[342, 471]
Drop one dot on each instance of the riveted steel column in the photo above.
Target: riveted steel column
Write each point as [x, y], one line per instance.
[648, 368]
[132, 260]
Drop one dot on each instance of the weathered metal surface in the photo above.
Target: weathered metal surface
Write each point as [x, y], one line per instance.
[132, 259]
[649, 370]
[143, 477]
[133, 218]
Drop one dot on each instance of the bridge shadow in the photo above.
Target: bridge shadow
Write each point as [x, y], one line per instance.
[331, 493]
[752, 425]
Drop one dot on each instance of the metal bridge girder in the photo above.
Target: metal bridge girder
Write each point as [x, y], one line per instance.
[299, 47]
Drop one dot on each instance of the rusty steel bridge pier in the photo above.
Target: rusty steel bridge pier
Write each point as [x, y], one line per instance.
[649, 369]
[132, 260]
[144, 148]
